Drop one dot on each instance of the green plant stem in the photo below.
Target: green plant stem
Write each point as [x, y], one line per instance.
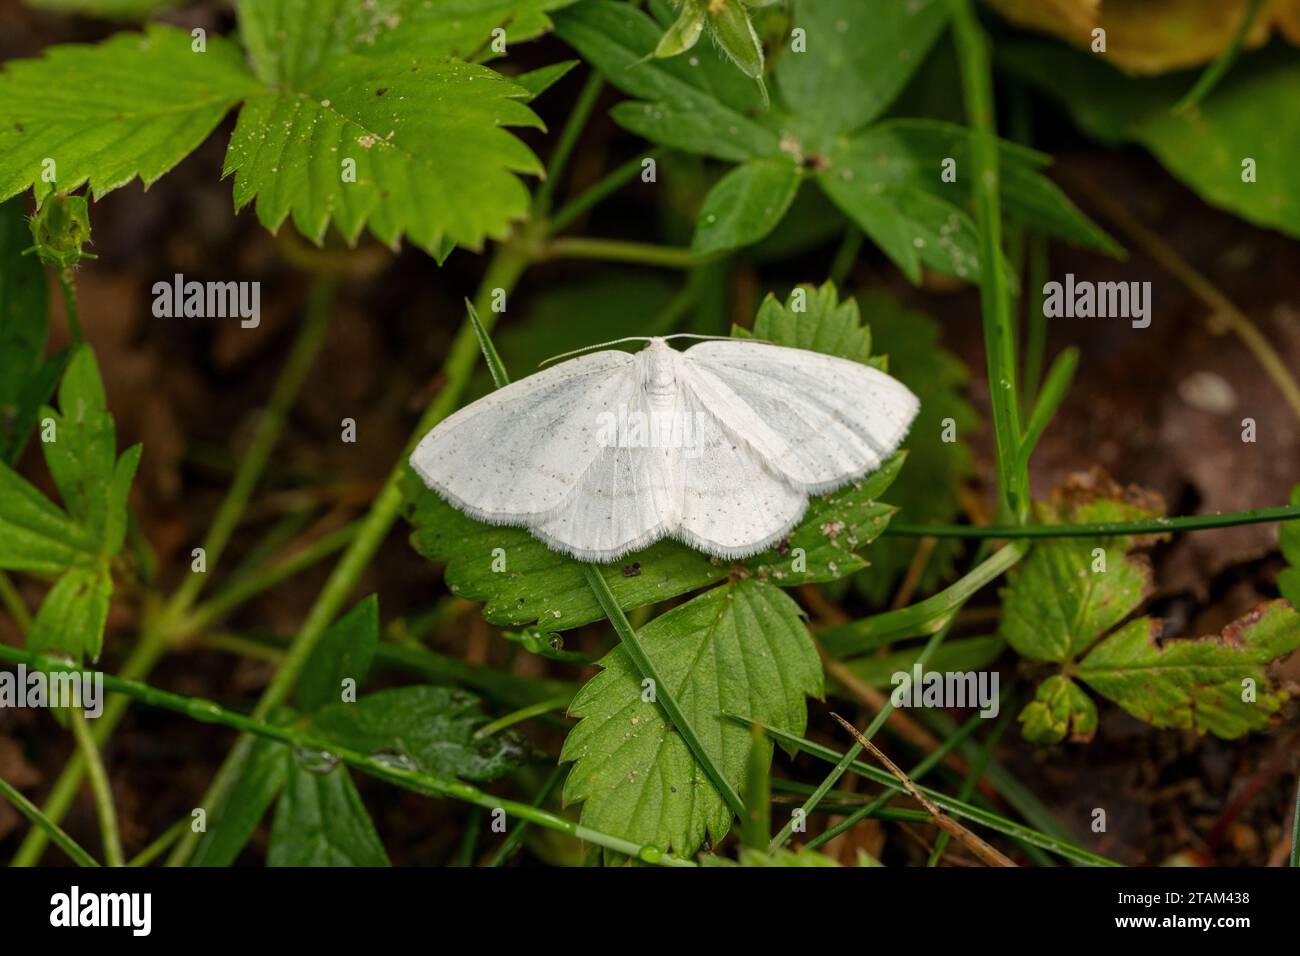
[1059, 379]
[159, 846]
[507, 265]
[100, 787]
[246, 587]
[515, 837]
[608, 184]
[663, 696]
[68, 289]
[1212, 74]
[558, 702]
[1295, 829]
[14, 604]
[48, 826]
[255, 726]
[573, 127]
[846, 254]
[924, 617]
[620, 250]
[1103, 529]
[995, 296]
[252, 463]
[147, 652]
[956, 807]
[1035, 344]
[171, 622]
[847, 760]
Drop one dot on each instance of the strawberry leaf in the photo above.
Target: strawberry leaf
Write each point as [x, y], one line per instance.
[740, 648]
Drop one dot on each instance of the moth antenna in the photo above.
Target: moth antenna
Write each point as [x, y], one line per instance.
[713, 338]
[598, 345]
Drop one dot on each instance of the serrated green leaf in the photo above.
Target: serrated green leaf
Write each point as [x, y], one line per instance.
[321, 821]
[543, 587]
[798, 857]
[694, 106]
[82, 458]
[431, 729]
[1218, 683]
[739, 648]
[1059, 708]
[814, 318]
[1063, 597]
[71, 619]
[344, 652]
[935, 469]
[26, 379]
[36, 534]
[854, 65]
[746, 204]
[1204, 147]
[433, 159]
[135, 104]
[259, 776]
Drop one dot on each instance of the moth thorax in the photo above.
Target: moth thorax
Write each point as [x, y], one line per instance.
[661, 375]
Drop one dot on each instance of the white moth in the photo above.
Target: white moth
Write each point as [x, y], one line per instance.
[718, 446]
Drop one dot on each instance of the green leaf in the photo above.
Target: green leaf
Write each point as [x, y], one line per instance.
[698, 108]
[741, 648]
[543, 587]
[1059, 708]
[912, 152]
[430, 729]
[36, 534]
[912, 225]
[135, 104]
[814, 318]
[92, 481]
[935, 469]
[344, 652]
[1065, 595]
[427, 135]
[782, 857]
[26, 379]
[746, 204]
[854, 65]
[321, 821]
[71, 619]
[1218, 683]
[1288, 580]
[1205, 146]
[259, 778]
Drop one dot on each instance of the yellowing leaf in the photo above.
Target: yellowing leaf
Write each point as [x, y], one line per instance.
[1218, 683]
